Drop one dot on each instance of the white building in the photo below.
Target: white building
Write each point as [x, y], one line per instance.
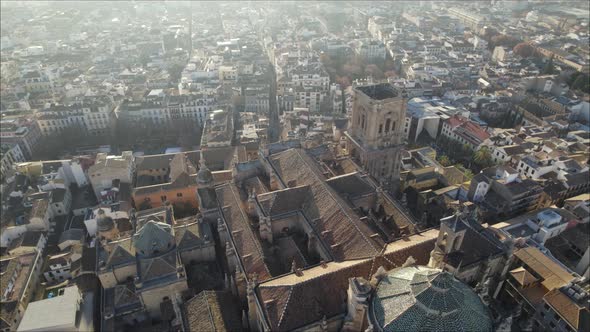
[58, 268]
[310, 98]
[61, 201]
[10, 154]
[91, 215]
[109, 168]
[533, 168]
[539, 226]
[69, 310]
[371, 50]
[96, 117]
[256, 99]
[162, 109]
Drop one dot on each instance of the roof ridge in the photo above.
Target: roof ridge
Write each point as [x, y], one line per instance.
[254, 240]
[285, 306]
[324, 185]
[211, 319]
[361, 261]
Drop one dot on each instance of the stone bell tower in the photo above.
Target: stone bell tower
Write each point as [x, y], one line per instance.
[375, 133]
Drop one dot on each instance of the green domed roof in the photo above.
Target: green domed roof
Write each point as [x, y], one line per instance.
[422, 299]
[104, 223]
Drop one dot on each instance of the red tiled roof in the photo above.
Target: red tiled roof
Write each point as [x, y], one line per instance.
[341, 229]
[455, 120]
[246, 243]
[476, 130]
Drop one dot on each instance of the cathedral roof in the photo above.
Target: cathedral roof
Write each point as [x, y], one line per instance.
[292, 301]
[245, 240]
[422, 299]
[153, 238]
[122, 252]
[341, 230]
[211, 311]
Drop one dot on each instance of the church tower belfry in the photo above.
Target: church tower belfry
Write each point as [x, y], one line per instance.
[375, 133]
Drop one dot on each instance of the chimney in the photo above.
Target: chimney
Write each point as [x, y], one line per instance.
[299, 272]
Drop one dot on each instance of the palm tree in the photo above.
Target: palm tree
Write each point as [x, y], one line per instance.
[483, 157]
[444, 160]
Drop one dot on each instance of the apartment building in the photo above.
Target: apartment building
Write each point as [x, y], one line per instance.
[10, 154]
[161, 108]
[95, 116]
[24, 132]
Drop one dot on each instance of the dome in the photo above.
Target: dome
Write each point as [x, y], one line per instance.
[423, 299]
[154, 238]
[104, 223]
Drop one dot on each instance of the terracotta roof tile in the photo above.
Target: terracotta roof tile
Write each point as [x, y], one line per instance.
[211, 311]
[574, 314]
[351, 238]
[553, 275]
[292, 301]
[246, 242]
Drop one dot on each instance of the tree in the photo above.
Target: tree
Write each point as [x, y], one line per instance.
[444, 160]
[325, 59]
[374, 71]
[390, 73]
[344, 81]
[175, 72]
[468, 174]
[465, 151]
[504, 40]
[524, 50]
[581, 82]
[483, 157]
[352, 69]
[489, 33]
[549, 68]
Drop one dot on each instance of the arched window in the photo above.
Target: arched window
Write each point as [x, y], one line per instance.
[387, 125]
[363, 125]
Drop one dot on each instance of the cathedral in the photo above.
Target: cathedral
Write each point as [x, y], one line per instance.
[145, 267]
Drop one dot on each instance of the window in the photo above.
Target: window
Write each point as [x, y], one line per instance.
[178, 194]
[163, 198]
[380, 128]
[387, 125]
